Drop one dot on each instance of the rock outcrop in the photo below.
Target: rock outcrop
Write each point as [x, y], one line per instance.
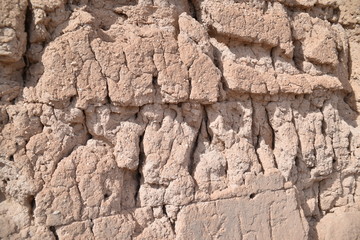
[202, 119]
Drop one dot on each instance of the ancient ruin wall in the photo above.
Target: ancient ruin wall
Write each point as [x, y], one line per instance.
[175, 119]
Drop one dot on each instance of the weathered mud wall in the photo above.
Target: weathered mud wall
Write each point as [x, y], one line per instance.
[165, 119]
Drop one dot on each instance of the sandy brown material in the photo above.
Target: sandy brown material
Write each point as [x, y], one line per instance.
[167, 119]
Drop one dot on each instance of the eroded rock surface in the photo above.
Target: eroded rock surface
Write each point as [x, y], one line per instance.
[200, 119]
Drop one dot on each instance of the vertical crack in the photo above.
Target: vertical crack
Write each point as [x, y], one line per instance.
[272, 55]
[256, 143]
[298, 149]
[257, 146]
[172, 223]
[138, 175]
[350, 136]
[107, 98]
[267, 114]
[92, 226]
[298, 57]
[226, 169]
[206, 127]
[27, 24]
[270, 224]
[265, 7]
[53, 230]
[318, 198]
[193, 10]
[323, 122]
[31, 205]
[193, 149]
[156, 86]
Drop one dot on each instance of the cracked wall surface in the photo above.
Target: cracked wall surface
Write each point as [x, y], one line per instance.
[175, 119]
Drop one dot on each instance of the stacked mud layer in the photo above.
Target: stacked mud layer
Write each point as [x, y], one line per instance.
[174, 119]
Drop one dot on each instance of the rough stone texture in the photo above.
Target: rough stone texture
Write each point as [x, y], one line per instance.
[344, 225]
[164, 119]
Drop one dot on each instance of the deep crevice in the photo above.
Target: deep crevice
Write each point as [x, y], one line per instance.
[154, 81]
[191, 164]
[106, 196]
[192, 9]
[297, 162]
[92, 226]
[257, 136]
[138, 174]
[298, 148]
[156, 85]
[208, 130]
[31, 204]
[350, 137]
[226, 168]
[222, 86]
[272, 129]
[53, 230]
[27, 24]
[272, 56]
[298, 56]
[256, 147]
[266, 7]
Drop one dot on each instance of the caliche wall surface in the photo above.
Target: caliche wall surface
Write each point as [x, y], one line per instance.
[175, 119]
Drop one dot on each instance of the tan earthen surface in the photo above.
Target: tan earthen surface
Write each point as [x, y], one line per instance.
[174, 119]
